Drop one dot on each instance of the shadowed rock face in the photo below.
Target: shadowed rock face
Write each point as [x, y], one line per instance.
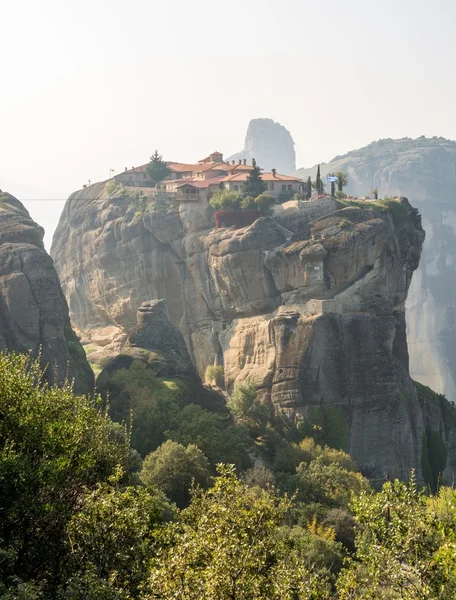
[33, 310]
[309, 305]
[425, 170]
[160, 346]
[154, 332]
[270, 144]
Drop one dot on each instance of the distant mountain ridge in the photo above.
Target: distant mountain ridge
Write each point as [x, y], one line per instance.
[423, 169]
[270, 144]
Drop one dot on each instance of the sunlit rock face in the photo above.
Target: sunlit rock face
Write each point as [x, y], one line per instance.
[270, 144]
[425, 170]
[308, 304]
[33, 311]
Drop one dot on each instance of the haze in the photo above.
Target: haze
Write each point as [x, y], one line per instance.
[89, 86]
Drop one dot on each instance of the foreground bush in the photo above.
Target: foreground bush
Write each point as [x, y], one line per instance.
[53, 448]
[226, 545]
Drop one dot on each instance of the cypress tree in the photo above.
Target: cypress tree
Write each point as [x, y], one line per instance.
[254, 186]
[333, 189]
[309, 189]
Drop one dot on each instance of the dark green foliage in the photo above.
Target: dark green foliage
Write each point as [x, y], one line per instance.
[433, 459]
[309, 189]
[226, 546]
[397, 210]
[247, 409]
[153, 404]
[172, 468]
[254, 185]
[111, 541]
[77, 525]
[226, 200]
[54, 446]
[219, 440]
[319, 182]
[326, 425]
[333, 189]
[157, 168]
[161, 409]
[342, 180]
[215, 374]
[286, 195]
[264, 203]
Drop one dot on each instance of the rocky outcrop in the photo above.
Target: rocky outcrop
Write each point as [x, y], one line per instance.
[270, 144]
[158, 336]
[308, 304]
[425, 170]
[159, 346]
[33, 311]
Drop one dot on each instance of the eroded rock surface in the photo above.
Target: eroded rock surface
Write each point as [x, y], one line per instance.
[424, 169]
[308, 304]
[33, 310]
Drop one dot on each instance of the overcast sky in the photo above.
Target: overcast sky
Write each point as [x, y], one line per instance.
[90, 85]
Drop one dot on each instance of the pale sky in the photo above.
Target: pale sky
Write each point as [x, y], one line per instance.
[90, 85]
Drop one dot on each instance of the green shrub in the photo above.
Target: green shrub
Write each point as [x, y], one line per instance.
[111, 186]
[285, 195]
[215, 374]
[248, 203]
[246, 409]
[172, 468]
[226, 200]
[264, 202]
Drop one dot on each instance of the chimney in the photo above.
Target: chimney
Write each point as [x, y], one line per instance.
[126, 168]
[240, 161]
[274, 172]
[245, 161]
[233, 162]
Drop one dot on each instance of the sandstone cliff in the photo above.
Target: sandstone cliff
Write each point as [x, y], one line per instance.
[33, 311]
[270, 144]
[425, 170]
[308, 304]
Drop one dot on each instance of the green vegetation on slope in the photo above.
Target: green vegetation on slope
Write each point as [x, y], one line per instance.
[79, 524]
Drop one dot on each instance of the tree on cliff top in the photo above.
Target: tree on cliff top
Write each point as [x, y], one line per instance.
[254, 185]
[319, 182]
[342, 180]
[157, 169]
[309, 189]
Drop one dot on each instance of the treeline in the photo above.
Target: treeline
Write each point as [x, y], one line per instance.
[84, 516]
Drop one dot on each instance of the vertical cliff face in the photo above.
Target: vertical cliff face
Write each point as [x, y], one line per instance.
[308, 305]
[425, 170]
[270, 144]
[33, 311]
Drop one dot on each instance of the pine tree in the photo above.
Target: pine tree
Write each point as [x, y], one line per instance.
[254, 185]
[157, 169]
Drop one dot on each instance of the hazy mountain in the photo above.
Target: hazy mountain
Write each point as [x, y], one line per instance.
[270, 144]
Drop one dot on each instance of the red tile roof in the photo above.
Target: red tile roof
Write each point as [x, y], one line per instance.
[264, 177]
[182, 167]
[200, 183]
